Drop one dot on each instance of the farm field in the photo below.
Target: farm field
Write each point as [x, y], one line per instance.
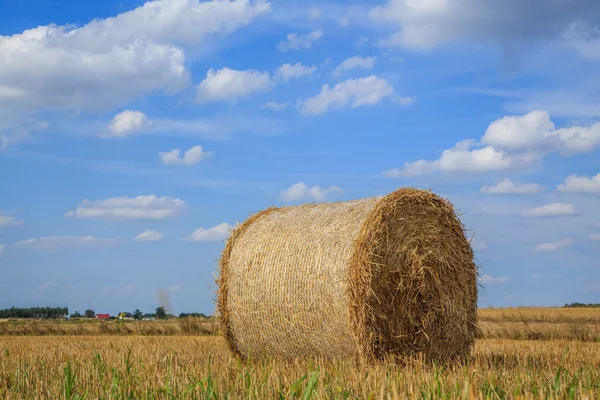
[198, 365]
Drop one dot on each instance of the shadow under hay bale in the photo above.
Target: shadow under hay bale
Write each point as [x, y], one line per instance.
[370, 278]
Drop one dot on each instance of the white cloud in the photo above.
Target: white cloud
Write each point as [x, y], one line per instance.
[595, 287]
[6, 221]
[129, 288]
[595, 236]
[509, 143]
[174, 288]
[519, 132]
[52, 243]
[507, 186]
[403, 101]
[360, 42]
[462, 158]
[13, 132]
[478, 245]
[492, 279]
[368, 91]
[130, 208]
[427, 24]
[344, 22]
[231, 84]
[191, 157]
[551, 210]
[300, 191]
[275, 106]
[109, 61]
[535, 131]
[314, 13]
[127, 123]
[581, 184]
[149, 235]
[46, 285]
[553, 246]
[354, 62]
[294, 41]
[540, 276]
[215, 234]
[288, 71]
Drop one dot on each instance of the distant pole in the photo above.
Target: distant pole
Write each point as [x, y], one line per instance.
[90, 301]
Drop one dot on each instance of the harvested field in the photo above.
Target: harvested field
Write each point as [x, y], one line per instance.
[509, 323]
[202, 367]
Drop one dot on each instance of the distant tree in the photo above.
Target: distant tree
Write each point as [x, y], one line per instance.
[194, 314]
[89, 314]
[161, 313]
[137, 314]
[76, 315]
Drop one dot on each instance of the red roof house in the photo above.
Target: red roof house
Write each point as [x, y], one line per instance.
[103, 316]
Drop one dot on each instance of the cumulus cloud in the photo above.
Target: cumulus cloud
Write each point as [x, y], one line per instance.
[300, 191]
[52, 243]
[191, 157]
[130, 208]
[110, 61]
[512, 142]
[174, 288]
[551, 210]
[507, 186]
[593, 236]
[354, 62]
[288, 71]
[426, 24]
[149, 235]
[553, 246]
[489, 279]
[272, 105]
[7, 220]
[353, 93]
[536, 132]
[462, 158]
[127, 123]
[581, 184]
[294, 41]
[231, 84]
[215, 234]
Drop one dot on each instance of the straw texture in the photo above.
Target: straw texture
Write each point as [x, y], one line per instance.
[391, 275]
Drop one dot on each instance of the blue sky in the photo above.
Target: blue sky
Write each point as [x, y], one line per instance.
[134, 135]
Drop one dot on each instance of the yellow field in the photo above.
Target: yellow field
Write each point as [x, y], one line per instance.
[179, 366]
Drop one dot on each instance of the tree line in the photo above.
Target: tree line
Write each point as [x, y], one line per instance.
[34, 312]
[582, 305]
[160, 313]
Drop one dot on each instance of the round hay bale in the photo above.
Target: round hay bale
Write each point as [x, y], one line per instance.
[391, 275]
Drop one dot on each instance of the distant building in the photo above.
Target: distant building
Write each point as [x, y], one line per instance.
[103, 316]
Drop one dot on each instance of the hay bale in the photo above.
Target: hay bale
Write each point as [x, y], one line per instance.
[366, 278]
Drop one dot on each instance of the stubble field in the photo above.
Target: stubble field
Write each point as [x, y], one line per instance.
[522, 353]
